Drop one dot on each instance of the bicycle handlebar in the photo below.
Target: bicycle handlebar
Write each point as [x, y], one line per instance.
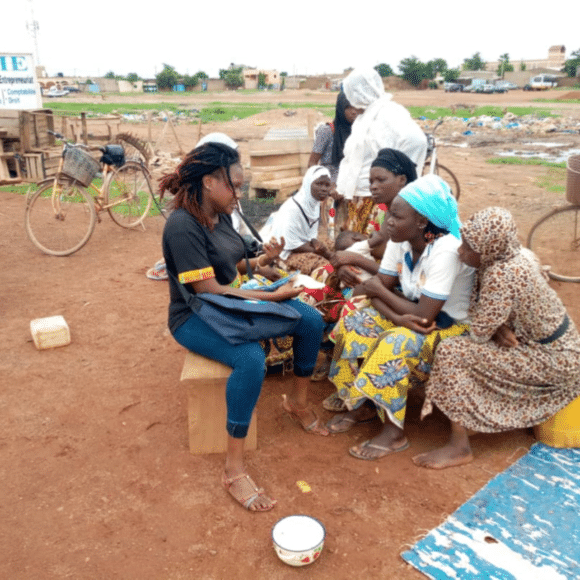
[68, 143]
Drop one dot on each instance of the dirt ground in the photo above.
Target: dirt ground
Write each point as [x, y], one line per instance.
[97, 479]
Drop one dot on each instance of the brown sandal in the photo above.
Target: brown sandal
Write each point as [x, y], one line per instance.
[246, 492]
[315, 426]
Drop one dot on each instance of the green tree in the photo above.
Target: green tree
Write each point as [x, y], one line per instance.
[190, 81]
[261, 80]
[201, 75]
[167, 77]
[572, 64]
[132, 77]
[414, 71]
[438, 66]
[504, 65]
[523, 66]
[110, 75]
[234, 78]
[451, 75]
[474, 63]
[384, 70]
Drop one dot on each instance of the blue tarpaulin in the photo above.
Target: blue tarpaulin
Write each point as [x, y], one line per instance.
[523, 525]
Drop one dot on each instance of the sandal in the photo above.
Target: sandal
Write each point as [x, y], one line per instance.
[158, 272]
[320, 372]
[334, 404]
[246, 492]
[348, 423]
[314, 427]
[379, 450]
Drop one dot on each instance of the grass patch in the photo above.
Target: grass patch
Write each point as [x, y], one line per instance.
[524, 161]
[20, 188]
[573, 101]
[554, 180]
[211, 112]
[490, 111]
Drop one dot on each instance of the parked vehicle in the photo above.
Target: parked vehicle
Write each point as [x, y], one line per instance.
[475, 83]
[54, 92]
[543, 82]
[453, 87]
[506, 85]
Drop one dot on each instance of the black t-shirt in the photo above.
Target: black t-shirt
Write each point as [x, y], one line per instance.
[192, 253]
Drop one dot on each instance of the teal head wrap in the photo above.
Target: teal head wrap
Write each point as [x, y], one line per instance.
[431, 197]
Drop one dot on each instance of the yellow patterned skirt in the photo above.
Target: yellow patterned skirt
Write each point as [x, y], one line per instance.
[375, 360]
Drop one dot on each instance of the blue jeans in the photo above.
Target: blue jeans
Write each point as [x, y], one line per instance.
[248, 360]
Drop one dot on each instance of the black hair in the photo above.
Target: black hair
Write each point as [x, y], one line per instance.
[186, 181]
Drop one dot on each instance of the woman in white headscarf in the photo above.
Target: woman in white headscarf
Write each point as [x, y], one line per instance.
[383, 123]
[296, 223]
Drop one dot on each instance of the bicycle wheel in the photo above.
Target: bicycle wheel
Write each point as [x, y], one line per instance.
[60, 222]
[128, 195]
[555, 239]
[135, 149]
[447, 175]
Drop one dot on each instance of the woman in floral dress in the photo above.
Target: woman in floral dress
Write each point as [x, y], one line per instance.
[382, 351]
[520, 363]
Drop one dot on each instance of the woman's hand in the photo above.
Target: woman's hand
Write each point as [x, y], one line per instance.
[320, 249]
[505, 336]
[416, 323]
[342, 258]
[373, 287]
[274, 248]
[286, 292]
[348, 275]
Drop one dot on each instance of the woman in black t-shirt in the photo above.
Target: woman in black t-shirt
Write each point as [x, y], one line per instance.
[205, 254]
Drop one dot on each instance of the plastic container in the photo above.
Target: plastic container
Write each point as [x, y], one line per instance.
[298, 540]
[573, 179]
[50, 332]
[563, 429]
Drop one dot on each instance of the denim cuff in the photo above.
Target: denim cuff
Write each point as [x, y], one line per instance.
[237, 430]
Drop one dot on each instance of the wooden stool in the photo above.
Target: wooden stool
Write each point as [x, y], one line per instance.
[563, 429]
[205, 381]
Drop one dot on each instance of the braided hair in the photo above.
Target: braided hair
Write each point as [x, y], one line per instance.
[185, 183]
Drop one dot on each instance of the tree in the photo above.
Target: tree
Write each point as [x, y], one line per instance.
[474, 63]
[261, 80]
[132, 77]
[414, 71]
[438, 66]
[234, 78]
[384, 70]
[523, 66]
[167, 77]
[572, 64]
[190, 81]
[451, 75]
[504, 65]
[201, 75]
[110, 75]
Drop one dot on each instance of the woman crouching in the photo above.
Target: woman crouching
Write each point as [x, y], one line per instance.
[203, 253]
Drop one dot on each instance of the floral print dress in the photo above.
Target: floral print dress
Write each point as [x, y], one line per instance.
[489, 388]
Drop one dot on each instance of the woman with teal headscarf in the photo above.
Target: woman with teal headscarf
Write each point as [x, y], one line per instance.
[419, 297]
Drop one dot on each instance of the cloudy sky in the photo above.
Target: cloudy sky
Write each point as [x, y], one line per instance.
[77, 37]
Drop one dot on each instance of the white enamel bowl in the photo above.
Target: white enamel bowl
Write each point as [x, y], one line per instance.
[298, 540]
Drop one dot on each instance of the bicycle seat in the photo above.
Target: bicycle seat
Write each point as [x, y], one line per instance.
[113, 155]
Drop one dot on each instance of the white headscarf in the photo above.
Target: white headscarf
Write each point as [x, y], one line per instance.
[289, 222]
[384, 123]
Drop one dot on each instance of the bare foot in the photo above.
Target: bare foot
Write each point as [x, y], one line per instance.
[244, 490]
[447, 456]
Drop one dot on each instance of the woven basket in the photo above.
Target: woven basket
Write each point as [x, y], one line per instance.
[573, 179]
[80, 166]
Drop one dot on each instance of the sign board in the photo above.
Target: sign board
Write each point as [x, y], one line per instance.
[19, 88]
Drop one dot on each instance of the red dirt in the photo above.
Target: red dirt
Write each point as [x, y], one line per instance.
[98, 482]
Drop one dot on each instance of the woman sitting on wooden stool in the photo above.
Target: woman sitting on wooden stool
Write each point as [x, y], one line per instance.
[204, 254]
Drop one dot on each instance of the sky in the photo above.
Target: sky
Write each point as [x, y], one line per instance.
[299, 37]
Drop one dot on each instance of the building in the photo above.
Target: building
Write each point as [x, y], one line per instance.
[554, 62]
[251, 76]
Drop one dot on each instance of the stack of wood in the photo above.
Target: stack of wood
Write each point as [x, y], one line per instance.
[278, 167]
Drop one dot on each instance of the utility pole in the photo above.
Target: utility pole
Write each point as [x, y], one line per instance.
[32, 27]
